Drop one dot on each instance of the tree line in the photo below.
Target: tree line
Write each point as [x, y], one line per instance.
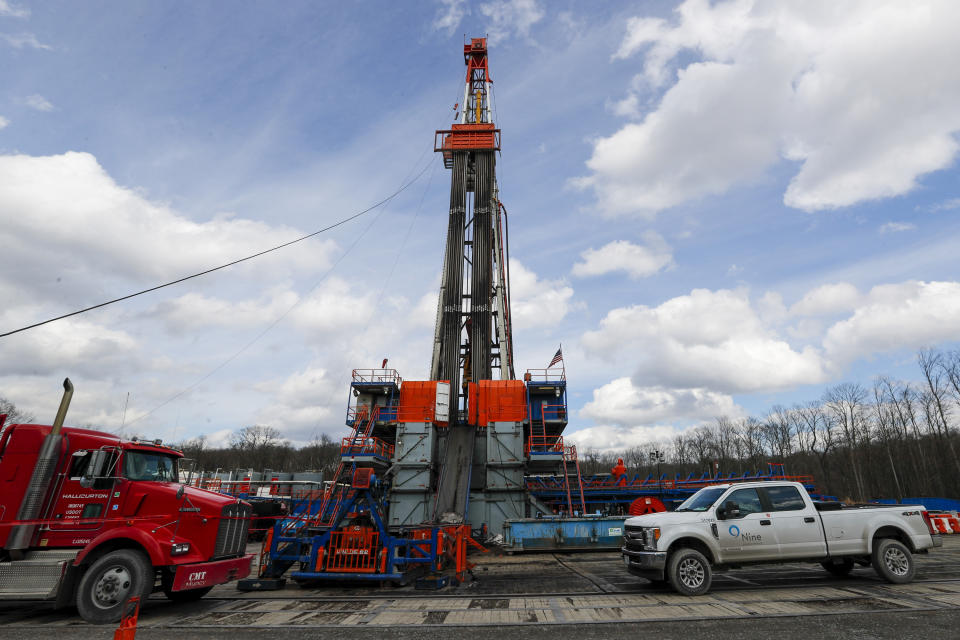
[892, 439]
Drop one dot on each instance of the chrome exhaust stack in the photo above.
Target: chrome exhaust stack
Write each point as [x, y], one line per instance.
[34, 498]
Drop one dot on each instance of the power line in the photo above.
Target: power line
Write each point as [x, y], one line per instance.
[283, 315]
[229, 264]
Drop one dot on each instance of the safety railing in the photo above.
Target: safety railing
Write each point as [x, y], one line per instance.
[545, 445]
[557, 374]
[366, 446]
[554, 412]
[377, 376]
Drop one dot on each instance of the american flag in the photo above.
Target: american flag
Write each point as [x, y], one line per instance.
[557, 357]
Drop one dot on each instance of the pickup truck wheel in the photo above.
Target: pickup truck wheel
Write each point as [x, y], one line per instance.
[110, 581]
[840, 568]
[186, 596]
[689, 572]
[893, 561]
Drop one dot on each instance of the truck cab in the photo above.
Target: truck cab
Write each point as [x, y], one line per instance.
[111, 522]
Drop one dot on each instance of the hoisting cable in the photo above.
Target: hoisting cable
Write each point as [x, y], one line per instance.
[376, 205]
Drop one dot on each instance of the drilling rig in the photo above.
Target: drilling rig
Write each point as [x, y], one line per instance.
[430, 464]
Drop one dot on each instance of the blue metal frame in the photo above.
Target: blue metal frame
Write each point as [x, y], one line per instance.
[402, 552]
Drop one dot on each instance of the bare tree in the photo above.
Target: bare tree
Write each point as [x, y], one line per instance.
[14, 415]
[845, 403]
[936, 375]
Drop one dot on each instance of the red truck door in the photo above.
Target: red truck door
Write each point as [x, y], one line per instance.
[80, 511]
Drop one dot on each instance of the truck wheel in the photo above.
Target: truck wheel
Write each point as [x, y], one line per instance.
[110, 581]
[840, 568]
[188, 595]
[893, 561]
[689, 572]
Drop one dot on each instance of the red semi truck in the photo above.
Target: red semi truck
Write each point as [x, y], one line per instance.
[91, 519]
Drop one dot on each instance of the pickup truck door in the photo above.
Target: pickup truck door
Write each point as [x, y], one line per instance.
[796, 522]
[751, 535]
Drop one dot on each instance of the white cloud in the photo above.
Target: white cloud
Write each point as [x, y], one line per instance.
[12, 10]
[303, 401]
[24, 40]
[3, 122]
[194, 310]
[908, 315]
[449, 15]
[638, 261]
[510, 17]
[607, 438]
[38, 102]
[827, 299]
[621, 403]
[946, 205]
[712, 340]
[894, 227]
[536, 302]
[73, 344]
[855, 92]
[67, 205]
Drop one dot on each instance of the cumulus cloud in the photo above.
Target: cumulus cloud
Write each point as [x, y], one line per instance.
[708, 339]
[637, 261]
[621, 403]
[510, 18]
[38, 102]
[537, 302]
[908, 315]
[64, 205]
[854, 93]
[689, 353]
[827, 299]
[604, 438]
[3, 122]
[302, 402]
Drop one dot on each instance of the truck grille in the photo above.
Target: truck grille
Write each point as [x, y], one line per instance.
[633, 538]
[232, 533]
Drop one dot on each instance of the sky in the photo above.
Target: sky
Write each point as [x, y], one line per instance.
[715, 207]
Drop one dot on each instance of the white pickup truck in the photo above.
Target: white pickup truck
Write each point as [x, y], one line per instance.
[728, 526]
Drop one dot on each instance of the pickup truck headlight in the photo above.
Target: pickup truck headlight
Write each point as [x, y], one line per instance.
[180, 548]
[650, 537]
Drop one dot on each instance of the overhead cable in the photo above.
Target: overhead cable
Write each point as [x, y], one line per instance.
[393, 195]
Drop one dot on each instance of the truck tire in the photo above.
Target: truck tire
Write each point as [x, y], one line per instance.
[188, 595]
[840, 567]
[110, 581]
[689, 572]
[893, 561]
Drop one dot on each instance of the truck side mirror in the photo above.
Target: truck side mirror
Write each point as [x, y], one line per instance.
[94, 468]
[732, 509]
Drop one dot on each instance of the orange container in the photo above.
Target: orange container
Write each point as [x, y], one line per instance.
[500, 401]
[418, 399]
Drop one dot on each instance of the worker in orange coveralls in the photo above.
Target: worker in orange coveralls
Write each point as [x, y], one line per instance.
[619, 473]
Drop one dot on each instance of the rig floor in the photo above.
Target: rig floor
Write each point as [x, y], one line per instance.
[582, 595]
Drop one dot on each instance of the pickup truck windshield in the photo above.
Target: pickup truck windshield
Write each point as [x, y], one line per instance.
[146, 465]
[701, 500]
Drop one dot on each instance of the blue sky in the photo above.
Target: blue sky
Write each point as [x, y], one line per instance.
[714, 207]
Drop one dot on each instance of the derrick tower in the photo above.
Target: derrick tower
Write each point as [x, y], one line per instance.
[472, 334]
